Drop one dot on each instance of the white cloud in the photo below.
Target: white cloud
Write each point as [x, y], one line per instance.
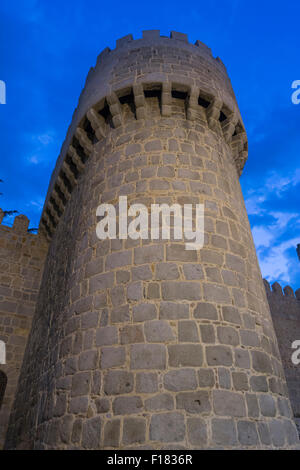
[253, 205]
[262, 236]
[274, 184]
[277, 263]
[282, 219]
[45, 139]
[274, 256]
[36, 205]
[279, 184]
[41, 144]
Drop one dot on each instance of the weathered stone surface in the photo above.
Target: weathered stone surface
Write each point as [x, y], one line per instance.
[165, 271]
[188, 331]
[132, 334]
[206, 311]
[224, 378]
[167, 427]
[185, 355]
[194, 402]
[112, 433]
[180, 291]
[112, 357]
[206, 378]
[261, 362]
[148, 356]
[143, 312]
[146, 382]
[172, 310]
[228, 403]
[158, 331]
[127, 405]
[247, 433]
[258, 383]
[228, 335]
[197, 432]
[252, 405]
[183, 379]
[81, 383]
[117, 382]
[207, 333]
[161, 402]
[240, 381]
[91, 433]
[219, 356]
[88, 360]
[134, 430]
[224, 432]
[267, 405]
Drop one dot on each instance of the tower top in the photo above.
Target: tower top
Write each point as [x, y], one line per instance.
[153, 63]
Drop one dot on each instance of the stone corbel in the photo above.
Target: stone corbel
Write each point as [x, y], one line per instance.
[192, 105]
[166, 99]
[115, 109]
[97, 122]
[139, 101]
[84, 141]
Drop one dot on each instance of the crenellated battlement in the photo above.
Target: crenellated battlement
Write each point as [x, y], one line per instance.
[286, 293]
[22, 258]
[168, 67]
[154, 36]
[285, 310]
[20, 225]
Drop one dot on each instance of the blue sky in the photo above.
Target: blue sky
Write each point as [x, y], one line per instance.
[47, 48]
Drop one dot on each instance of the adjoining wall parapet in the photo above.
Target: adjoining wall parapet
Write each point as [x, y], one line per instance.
[284, 301]
[22, 257]
[285, 311]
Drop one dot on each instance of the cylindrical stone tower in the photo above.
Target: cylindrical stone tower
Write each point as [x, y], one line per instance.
[142, 343]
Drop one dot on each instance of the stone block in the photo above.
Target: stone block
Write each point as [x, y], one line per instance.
[219, 355]
[161, 402]
[112, 357]
[228, 403]
[185, 355]
[197, 432]
[188, 331]
[118, 382]
[182, 379]
[127, 405]
[148, 356]
[173, 310]
[146, 382]
[134, 431]
[112, 433]
[247, 433]
[167, 427]
[158, 331]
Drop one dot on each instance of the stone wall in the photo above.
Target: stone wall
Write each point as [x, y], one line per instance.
[142, 343]
[22, 257]
[285, 310]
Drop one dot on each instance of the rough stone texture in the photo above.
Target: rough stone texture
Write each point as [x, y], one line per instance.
[285, 310]
[22, 257]
[140, 131]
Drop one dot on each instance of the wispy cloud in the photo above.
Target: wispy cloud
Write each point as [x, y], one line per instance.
[274, 185]
[277, 264]
[39, 147]
[36, 205]
[275, 231]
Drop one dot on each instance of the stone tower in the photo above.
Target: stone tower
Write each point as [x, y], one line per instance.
[142, 343]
